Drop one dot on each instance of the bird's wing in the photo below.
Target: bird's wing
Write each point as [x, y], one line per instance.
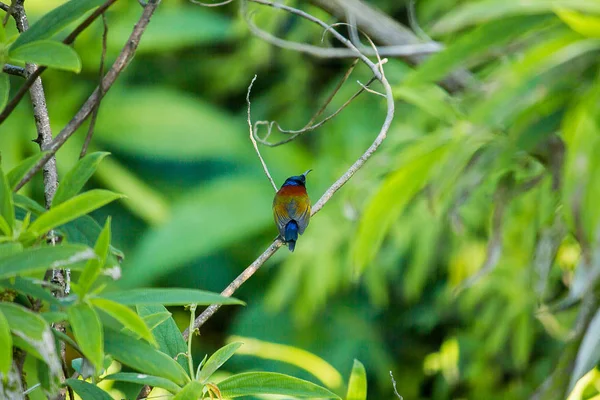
[300, 212]
[281, 217]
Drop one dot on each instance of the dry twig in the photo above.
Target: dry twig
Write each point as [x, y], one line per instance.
[277, 243]
[111, 76]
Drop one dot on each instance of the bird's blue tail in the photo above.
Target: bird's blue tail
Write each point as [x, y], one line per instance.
[291, 234]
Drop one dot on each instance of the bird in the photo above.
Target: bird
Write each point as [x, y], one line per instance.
[291, 209]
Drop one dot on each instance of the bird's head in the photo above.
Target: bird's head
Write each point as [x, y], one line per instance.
[299, 180]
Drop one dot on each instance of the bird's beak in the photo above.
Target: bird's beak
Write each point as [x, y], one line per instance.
[306, 173]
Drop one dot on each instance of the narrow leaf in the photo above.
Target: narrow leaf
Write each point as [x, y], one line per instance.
[30, 329]
[56, 20]
[43, 258]
[169, 297]
[87, 391]
[30, 287]
[216, 360]
[126, 316]
[156, 319]
[4, 89]
[257, 383]
[94, 266]
[143, 357]
[72, 209]
[7, 210]
[142, 379]
[87, 330]
[17, 173]
[191, 391]
[28, 204]
[5, 346]
[588, 354]
[48, 53]
[76, 178]
[357, 386]
[167, 334]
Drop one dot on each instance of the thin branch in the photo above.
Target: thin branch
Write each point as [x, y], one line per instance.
[394, 385]
[4, 6]
[332, 52]
[111, 76]
[277, 243]
[253, 140]
[12, 104]
[309, 127]
[211, 4]
[90, 133]
[414, 23]
[14, 70]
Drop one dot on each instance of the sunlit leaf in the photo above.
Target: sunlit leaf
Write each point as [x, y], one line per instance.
[256, 383]
[5, 346]
[41, 259]
[72, 209]
[191, 391]
[55, 20]
[4, 89]
[587, 25]
[76, 178]
[48, 53]
[215, 361]
[94, 266]
[125, 316]
[169, 297]
[357, 386]
[7, 210]
[17, 173]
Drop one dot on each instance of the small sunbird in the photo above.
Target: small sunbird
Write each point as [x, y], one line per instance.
[291, 209]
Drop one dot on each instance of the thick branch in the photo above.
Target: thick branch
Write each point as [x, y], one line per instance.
[109, 79]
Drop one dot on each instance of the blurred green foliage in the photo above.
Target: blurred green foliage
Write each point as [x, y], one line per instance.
[379, 274]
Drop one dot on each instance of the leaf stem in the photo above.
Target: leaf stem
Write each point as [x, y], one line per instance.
[191, 330]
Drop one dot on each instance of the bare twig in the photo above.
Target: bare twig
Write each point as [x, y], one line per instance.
[90, 133]
[14, 70]
[394, 385]
[277, 243]
[119, 65]
[332, 52]
[253, 140]
[4, 6]
[200, 3]
[12, 104]
[414, 23]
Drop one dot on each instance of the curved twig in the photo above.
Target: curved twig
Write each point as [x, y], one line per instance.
[277, 243]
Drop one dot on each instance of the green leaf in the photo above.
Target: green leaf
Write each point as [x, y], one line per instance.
[143, 357]
[49, 382]
[389, 201]
[72, 209]
[588, 354]
[32, 330]
[43, 258]
[175, 243]
[87, 330]
[216, 137]
[49, 53]
[31, 288]
[7, 210]
[56, 20]
[28, 204]
[125, 316]
[94, 266]
[430, 98]
[474, 13]
[176, 28]
[472, 45]
[154, 320]
[4, 89]
[586, 25]
[10, 248]
[5, 346]
[357, 386]
[75, 179]
[17, 173]
[86, 230]
[87, 391]
[257, 383]
[169, 297]
[191, 391]
[216, 360]
[142, 379]
[167, 334]
[54, 316]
